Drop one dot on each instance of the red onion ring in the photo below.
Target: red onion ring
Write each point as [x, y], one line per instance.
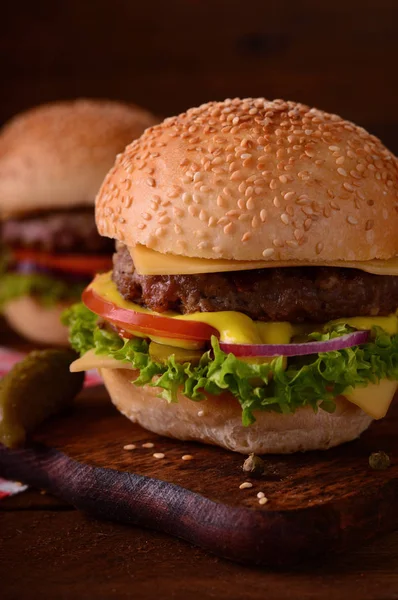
[339, 343]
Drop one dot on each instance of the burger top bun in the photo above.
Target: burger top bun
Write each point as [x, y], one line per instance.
[255, 180]
[56, 155]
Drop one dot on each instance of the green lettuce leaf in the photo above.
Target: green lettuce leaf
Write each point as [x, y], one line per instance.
[47, 289]
[313, 380]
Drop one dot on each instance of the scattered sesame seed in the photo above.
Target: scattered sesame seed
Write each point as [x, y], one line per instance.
[268, 252]
[245, 485]
[277, 202]
[193, 210]
[260, 495]
[285, 218]
[255, 222]
[158, 455]
[160, 231]
[129, 447]
[263, 501]
[307, 210]
[187, 457]
[352, 220]
[250, 204]
[290, 196]
[201, 413]
[148, 445]
[342, 172]
[302, 200]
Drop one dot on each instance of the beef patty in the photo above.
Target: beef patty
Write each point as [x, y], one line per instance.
[294, 294]
[72, 231]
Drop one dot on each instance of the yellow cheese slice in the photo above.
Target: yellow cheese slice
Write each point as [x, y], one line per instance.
[375, 399]
[91, 360]
[150, 262]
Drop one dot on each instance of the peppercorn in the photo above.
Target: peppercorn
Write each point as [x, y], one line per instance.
[379, 461]
[254, 466]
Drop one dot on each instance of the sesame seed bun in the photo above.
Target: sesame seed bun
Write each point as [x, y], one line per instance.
[252, 180]
[56, 155]
[218, 420]
[37, 323]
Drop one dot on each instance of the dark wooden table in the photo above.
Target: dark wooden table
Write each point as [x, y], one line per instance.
[48, 550]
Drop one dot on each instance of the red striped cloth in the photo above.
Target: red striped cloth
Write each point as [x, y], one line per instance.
[8, 358]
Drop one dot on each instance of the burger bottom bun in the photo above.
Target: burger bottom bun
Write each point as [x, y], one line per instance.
[218, 420]
[38, 323]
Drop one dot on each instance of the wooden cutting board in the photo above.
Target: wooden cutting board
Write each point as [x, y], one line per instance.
[319, 502]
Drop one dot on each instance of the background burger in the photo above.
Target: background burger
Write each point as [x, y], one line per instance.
[253, 297]
[52, 161]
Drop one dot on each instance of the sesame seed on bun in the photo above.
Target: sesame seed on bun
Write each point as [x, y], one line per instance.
[56, 155]
[255, 179]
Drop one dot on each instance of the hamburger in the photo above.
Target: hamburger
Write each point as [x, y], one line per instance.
[53, 159]
[253, 298]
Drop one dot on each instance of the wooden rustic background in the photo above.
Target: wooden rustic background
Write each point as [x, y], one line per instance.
[340, 55]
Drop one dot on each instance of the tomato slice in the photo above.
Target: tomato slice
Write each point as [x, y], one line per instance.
[81, 264]
[147, 323]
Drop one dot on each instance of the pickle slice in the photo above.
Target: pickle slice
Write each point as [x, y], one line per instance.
[161, 353]
[38, 386]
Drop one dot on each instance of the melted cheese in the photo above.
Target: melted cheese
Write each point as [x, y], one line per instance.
[389, 324]
[150, 262]
[233, 327]
[375, 399]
